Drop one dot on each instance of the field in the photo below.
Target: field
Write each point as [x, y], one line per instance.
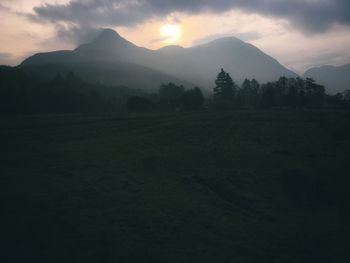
[253, 186]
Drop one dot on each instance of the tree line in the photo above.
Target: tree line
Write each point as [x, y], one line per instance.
[170, 97]
[22, 93]
[284, 93]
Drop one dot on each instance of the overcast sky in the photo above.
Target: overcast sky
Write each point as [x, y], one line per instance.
[299, 33]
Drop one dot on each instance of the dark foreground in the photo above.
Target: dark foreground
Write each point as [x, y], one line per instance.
[202, 187]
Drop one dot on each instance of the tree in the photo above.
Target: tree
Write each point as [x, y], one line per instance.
[281, 91]
[302, 101]
[335, 101]
[346, 98]
[224, 91]
[255, 85]
[171, 94]
[192, 99]
[292, 93]
[346, 95]
[244, 93]
[249, 93]
[268, 96]
[315, 93]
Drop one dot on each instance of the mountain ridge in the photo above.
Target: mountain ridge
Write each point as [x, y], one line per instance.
[198, 65]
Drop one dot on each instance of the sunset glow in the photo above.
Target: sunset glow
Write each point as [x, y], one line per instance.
[31, 26]
[171, 33]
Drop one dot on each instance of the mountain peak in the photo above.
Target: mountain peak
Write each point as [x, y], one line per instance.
[108, 34]
[227, 40]
[107, 40]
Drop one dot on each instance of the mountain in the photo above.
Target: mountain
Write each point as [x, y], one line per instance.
[200, 64]
[110, 46]
[335, 79]
[107, 60]
[120, 62]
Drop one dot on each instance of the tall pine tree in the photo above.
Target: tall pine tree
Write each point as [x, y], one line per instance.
[225, 90]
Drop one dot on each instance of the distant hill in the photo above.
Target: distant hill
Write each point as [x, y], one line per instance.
[335, 79]
[114, 60]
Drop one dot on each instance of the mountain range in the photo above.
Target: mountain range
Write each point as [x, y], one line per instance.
[111, 59]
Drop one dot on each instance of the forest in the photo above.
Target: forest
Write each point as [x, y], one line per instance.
[22, 93]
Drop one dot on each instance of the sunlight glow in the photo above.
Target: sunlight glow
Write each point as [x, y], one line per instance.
[171, 33]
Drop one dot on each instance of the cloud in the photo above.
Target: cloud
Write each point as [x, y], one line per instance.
[248, 36]
[159, 39]
[75, 34]
[310, 16]
[6, 59]
[4, 8]
[320, 57]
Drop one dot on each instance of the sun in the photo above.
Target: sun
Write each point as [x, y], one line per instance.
[171, 33]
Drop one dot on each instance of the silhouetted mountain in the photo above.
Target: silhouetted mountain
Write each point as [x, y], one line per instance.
[110, 46]
[200, 64]
[109, 53]
[106, 60]
[335, 79]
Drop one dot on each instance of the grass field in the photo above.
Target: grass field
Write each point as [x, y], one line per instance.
[197, 187]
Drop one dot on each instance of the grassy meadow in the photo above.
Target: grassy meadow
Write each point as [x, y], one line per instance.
[244, 186]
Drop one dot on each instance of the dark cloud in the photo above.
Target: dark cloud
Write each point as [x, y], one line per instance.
[311, 16]
[76, 34]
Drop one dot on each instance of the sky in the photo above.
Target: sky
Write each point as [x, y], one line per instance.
[300, 34]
